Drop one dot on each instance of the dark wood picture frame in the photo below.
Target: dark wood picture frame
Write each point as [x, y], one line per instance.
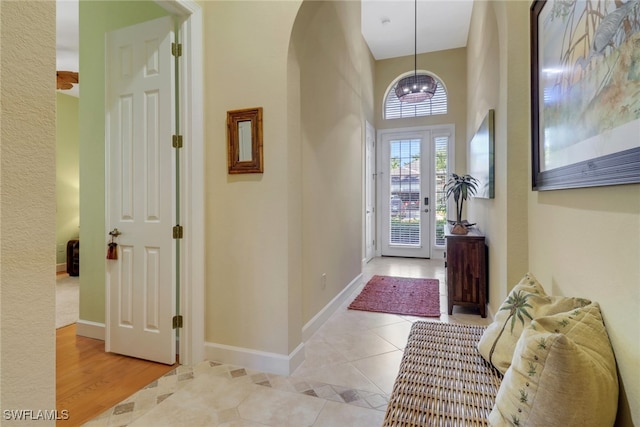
[602, 163]
[244, 141]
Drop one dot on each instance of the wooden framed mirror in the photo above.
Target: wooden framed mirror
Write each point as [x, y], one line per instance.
[244, 135]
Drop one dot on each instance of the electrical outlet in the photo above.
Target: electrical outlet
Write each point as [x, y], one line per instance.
[323, 280]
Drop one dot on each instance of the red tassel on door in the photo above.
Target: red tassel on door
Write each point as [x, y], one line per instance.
[112, 251]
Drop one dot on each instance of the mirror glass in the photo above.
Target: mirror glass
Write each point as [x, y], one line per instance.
[244, 141]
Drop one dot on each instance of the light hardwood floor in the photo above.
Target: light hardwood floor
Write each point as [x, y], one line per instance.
[90, 381]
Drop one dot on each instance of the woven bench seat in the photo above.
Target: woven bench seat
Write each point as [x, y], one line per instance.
[443, 380]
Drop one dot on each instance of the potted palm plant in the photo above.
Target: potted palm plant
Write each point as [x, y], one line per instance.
[460, 187]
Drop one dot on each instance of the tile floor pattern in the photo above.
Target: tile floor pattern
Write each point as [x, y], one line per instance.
[350, 365]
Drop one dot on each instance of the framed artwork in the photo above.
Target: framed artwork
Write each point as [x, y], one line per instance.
[585, 93]
[244, 141]
[481, 157]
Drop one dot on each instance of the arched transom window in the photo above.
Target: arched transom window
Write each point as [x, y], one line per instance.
[394, 109]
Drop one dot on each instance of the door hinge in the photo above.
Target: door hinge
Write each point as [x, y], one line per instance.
[176, 49]
[177, 322]
[177, 141]
[177, 232]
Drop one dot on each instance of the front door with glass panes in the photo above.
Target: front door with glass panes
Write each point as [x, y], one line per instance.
[413, 169]
[406, 194]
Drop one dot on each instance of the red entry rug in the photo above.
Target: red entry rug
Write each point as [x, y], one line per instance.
[400, 295]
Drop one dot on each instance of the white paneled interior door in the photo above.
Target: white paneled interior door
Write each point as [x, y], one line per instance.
[141, 191]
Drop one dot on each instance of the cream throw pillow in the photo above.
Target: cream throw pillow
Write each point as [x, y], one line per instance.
[526, 301]
[563, 373]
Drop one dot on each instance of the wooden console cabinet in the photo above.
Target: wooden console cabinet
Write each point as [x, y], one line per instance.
[466, 264]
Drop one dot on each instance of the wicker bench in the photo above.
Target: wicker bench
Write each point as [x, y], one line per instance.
[443, 380]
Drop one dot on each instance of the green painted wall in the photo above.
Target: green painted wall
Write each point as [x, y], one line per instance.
[67, 174]
[96, 19]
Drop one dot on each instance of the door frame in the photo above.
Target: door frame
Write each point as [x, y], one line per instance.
[191, 80]
[370, 173]
[434, 131]
[191, 292]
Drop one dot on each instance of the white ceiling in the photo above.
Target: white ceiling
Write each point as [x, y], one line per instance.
[387, 27]
[68, 40]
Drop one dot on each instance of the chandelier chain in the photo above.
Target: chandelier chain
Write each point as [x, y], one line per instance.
[415, 39]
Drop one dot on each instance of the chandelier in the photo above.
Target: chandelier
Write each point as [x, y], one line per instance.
[416, 88]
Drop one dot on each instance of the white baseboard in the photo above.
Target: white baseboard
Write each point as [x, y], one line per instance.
[86, 328]
[61, 267]
[273, 362]
[263, 361]
[323, 315]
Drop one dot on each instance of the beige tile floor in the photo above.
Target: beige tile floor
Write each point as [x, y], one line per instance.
[350, 365]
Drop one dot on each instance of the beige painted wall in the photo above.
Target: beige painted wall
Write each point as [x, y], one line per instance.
[67, 174]
[27, 207]
[502, 84]
[483, 55]
[271, 236]
[582, 242]
[252, 223]
[450, 66]
[333, 60]
[586, 243]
